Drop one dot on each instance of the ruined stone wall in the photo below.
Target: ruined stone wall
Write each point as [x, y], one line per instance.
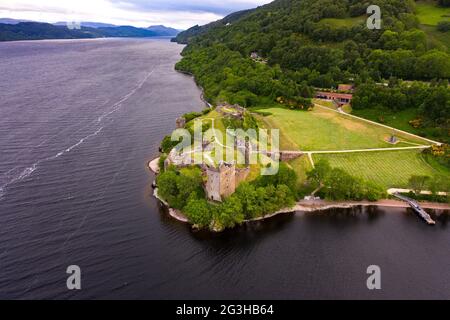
[213, 185]
[284, 156]
[289, 156]
[227, 180]
[181, 123]
[241, 175]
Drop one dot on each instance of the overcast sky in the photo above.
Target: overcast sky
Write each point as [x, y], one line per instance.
[180, 14]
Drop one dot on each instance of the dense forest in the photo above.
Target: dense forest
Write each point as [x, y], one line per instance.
[307, 44]
[37, 31]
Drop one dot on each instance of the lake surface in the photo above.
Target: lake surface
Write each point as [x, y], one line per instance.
[79, 119]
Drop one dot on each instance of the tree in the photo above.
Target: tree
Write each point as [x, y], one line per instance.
[434, 64]
[230, 212]
[339, 185]
[443, 26]
[373, 192]
[198, 212]
[285, 175]
[251, 203]
[167, 186]
[167, 144]
[162, 160]
[417, 183]
[439, 184]
[176, 188]
[437, 105]
[284, 197]
[320, 172]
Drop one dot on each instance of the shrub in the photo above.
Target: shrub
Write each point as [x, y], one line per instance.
[443, 26]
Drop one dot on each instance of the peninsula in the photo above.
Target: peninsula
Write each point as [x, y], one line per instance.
[351, 128]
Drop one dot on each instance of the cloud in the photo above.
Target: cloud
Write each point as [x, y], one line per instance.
[219, 7]
[180, 14]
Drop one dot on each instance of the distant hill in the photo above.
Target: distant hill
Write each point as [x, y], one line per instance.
[185, 36]
[126, 31]
[164, 31]
[39, 31]
[12, 21]
[88, 24]
[13, 29]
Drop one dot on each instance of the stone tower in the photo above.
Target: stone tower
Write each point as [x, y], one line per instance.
[181, 123]
[247, 153]
[221, 181]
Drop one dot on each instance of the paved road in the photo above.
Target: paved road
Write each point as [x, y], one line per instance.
[395, 190]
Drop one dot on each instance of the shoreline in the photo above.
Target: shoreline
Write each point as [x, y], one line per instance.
[202, 95]
[303, 206]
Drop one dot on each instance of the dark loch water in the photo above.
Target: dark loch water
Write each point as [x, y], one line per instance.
[78, 122]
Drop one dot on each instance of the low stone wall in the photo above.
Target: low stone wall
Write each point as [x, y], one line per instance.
[287, 156]
[241, 175]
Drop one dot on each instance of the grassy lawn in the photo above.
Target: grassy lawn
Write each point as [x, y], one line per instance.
[388, 169]
[430, 14]
[301, 166]
[324, 129]
[399, 120]
[218, 124]
[329, 104]
[435, 38]
[345, 22]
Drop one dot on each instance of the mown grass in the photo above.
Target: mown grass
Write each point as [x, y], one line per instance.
[430, 14]
[329, 104]
[323, 129]
[435, 38]
[400, 120]
[301, 166]
[344, 22]
[390, 169]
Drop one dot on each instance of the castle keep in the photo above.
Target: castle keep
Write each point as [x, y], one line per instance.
[223, 180]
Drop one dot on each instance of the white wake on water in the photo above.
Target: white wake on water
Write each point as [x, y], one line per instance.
[29, 171]
[115, 107]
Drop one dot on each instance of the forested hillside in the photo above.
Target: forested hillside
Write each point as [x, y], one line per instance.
[321, 43]
[38, 31]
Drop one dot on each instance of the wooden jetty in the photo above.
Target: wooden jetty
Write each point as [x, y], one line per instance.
[417, 208]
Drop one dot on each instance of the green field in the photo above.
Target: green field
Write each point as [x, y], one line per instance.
[324, 129]
[390, 169]
[218, 124]
[400, 120]
[345, 22]
[329, 104]
[301, 166]
[430, 14]
[435, 38]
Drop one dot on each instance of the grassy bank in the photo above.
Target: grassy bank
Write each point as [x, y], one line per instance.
[324, 129]
[430, 14]
[388, 169]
